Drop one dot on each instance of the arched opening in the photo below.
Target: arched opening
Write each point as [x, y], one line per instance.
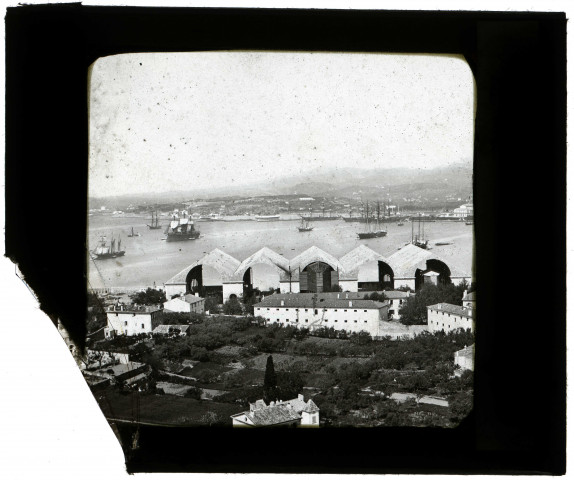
[318, 277]
[260, 279]
[436, 273]
[375, 275]
[205, 281]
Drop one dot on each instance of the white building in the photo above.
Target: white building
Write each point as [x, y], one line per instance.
[131, 320]
[447, 317]
[316, 310]
[295, 412]
[469, 300]
[466, 210]
[465, 358]
[313, 270]
[185, 304]
[396, 298]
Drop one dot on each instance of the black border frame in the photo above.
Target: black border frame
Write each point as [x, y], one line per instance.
[519, 63]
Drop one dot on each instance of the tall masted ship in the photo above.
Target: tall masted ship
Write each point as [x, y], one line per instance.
[181, 228]
[104, 251]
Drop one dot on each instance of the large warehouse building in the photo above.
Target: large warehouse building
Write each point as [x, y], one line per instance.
[313, 271]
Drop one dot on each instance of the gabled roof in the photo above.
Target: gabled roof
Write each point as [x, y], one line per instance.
[409, 258]
[273, 415]
[395, 294]
[353, 260]
[191, 299]
[311, 407]
[311, 255]
[452, 309]
[223, 263]
[267, 257]
[316, 300]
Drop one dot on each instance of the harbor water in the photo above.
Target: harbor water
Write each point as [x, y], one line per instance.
[150, 259]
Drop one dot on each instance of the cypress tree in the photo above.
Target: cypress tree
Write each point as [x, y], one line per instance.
[270, 381]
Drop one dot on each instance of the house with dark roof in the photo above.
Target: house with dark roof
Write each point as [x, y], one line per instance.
[288, 413]
[317, 310]
[447, 317]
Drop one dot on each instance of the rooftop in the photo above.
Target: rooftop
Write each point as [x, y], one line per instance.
[224, 263]
[469, 297]
[317, 300]
[467, 352]
[166, 329]
[134, 308]
[453, 309]
[279, 412]
[408, 259]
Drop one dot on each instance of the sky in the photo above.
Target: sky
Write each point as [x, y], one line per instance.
[179, 121]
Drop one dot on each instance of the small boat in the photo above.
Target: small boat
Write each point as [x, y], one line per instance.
[400, 224]
[305, 226]
[134, 234]
[470, 222]
[443, 243]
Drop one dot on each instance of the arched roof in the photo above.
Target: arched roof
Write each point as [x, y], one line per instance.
[223, 263]
[357, 257]
[264, 256]
[311, 255]
[408, 259]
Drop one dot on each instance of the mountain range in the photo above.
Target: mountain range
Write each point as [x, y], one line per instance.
[455, 180]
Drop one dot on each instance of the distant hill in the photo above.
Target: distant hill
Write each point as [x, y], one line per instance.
[333, 182]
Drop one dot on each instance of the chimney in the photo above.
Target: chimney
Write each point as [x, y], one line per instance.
[300, 397]
[350, 303]
[465, 293]
[272, 404]
[347, 295]
[282, 303]
[337, 295]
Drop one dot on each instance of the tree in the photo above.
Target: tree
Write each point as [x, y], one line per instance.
[232, 307]
[414, 309]
[150, 297]
[270, 381]
[211, 305]
[97, 317]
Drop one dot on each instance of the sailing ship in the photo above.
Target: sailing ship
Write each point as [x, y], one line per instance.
[133, 234]
[419, 240]
[104, 251]
[154, 222]
[373, 233]
[305, 225]
[181, 228]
